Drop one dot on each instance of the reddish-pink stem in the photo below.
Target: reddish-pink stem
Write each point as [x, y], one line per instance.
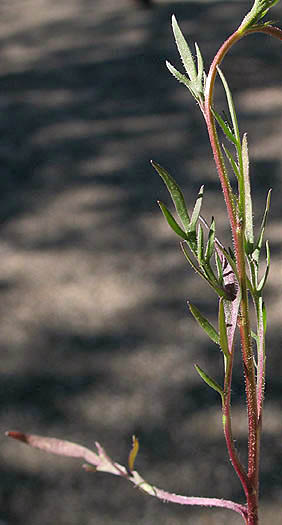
[226, 412]
[250, 484]
[203, 502]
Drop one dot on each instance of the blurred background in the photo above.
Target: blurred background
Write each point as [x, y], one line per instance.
[96, 339]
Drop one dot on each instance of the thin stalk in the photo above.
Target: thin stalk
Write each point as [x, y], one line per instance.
[227, 427]
[211, 125]
[238, 231]
[250, 379]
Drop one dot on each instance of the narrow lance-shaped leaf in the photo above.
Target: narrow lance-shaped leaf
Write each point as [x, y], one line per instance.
[184, 51]
[200, 64]
[225, 127]
[192, 242]
[264, 278]
[200, 74]
[209, 381]
[232, 162]
[204, 323]
[213, 284]
[247, 197]
[182, 79]
[195, 81]
[210, 243]
[226, 263]
[171, 221]
[200, 245]
[219, 268]
[231, 107]
[256, 252]
[211, 276]
[190, 260]
[176, 195]
[133, 453]
[223, 257]
[196, 210]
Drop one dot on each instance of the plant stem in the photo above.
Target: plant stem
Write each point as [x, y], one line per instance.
[249, 371]
[227, 428]
[210, 121]
[250, 484]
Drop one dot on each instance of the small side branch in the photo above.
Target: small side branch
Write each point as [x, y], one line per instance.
[100, 461]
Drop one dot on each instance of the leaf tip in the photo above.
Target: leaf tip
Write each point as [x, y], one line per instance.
[15, 434]
[133, 453]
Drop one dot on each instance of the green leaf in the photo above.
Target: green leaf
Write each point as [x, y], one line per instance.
[211, 276]
[210, 243]
[233, 164]
[231, 107]
[176, 195]
[204, 323]
[213, 284]
[195, 81]
[219, 268]
[196, 210]
[200, 245]
[211, 382]
[225, 127]
[201, 76]
[200, 64]
[181, 78]
[172, 222]
[248, 198]
[190, 260]
[192, 242]
[220, 250]
[264, 278]
[223, 340]
[184, 51]
[262, 228]
[133, 453]
[259, 10]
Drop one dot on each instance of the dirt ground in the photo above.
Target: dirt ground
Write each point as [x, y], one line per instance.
[96, 341]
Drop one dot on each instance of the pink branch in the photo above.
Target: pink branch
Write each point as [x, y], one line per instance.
[203, 502]
[102, 462]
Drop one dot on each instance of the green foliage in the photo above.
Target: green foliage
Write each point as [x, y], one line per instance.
[257, 13]
[209, 381]
[195, 81]
[204, 323]
[176, 195]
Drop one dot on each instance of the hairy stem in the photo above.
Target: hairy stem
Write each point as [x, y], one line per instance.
[250, 484]
[227, 428]
[250, 379]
